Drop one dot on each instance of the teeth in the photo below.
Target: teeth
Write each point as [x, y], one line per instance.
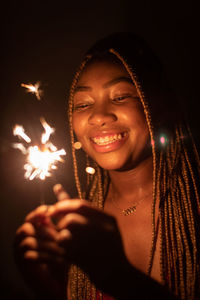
[107, 139]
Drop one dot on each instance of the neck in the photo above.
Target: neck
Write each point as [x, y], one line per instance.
[136, 182]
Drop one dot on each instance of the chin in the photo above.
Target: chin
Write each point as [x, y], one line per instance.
[110, 163]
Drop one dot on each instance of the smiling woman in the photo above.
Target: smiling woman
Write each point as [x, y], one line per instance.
[108, 117]
[136, 235]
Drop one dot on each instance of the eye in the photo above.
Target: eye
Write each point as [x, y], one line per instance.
[81, 106]
[121, 98]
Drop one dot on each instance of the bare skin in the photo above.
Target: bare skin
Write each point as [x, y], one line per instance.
[136, 228]
[95, 241]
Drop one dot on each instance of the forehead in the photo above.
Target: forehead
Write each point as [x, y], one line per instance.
[102, 71]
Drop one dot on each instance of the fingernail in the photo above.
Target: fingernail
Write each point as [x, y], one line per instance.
[64, 234]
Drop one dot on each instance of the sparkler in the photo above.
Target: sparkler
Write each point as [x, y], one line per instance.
[34, 89]
[40, 160]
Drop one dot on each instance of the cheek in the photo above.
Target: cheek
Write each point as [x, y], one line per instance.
[134, 116]
[79, 124]
[136, 121]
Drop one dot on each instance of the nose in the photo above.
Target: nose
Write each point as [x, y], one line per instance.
[101, 116]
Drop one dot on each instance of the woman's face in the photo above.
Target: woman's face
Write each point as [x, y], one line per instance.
[108, 117]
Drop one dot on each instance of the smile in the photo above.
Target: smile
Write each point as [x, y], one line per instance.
[104, 143]
[109, 139]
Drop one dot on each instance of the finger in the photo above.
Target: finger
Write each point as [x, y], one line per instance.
[64, 239]
[28, 229]
[48, 233]
[31, 243]
[41, 221]
[72, 221]
[60, 192]
[43, 257]
[69, 206]
[64, 235]
[39, 212]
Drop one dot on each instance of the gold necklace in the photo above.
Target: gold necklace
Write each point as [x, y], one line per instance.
[130, 209]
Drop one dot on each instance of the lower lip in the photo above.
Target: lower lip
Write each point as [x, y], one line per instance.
[109, 147]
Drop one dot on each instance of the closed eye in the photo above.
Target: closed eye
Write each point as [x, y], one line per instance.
[81, 106]
[121, 98]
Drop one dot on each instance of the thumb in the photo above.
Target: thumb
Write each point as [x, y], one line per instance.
[60, 193]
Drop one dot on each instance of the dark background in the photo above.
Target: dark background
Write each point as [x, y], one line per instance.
[44, 41]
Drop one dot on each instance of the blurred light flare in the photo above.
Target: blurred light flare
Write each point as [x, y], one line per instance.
[40, 161]
[90, 170]
[48, 131]
[34, 89]
[19, 131]
[163, 139]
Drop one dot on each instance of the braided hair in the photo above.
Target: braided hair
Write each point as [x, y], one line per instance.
[176, 171]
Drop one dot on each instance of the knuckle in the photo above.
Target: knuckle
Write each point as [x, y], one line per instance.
[30, 255]
[81, 205]
[29, 243]
[70, 219]
[25, 229]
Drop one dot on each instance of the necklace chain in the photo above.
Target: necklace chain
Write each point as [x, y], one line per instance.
[130, 209]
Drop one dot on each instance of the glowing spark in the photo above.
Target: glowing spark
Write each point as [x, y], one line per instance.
[19, 131]
[48, 131]
[90, 170]
[40, 161]
[20, 147]
[34, 89]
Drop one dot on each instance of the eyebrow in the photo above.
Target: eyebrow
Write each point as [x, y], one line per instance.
[106, 85]
[117, 80]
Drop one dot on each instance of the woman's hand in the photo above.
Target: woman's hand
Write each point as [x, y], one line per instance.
[39, 257]
[91, 239]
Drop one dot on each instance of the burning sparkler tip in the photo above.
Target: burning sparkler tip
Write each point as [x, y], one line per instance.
[40, 160]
